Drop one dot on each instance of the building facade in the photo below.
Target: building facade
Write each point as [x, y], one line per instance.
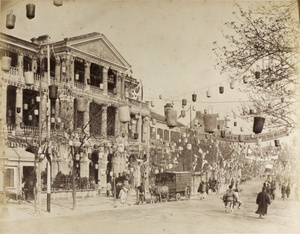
[74, 101]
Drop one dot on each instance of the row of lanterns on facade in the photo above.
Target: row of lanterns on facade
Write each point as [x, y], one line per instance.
[30, 13]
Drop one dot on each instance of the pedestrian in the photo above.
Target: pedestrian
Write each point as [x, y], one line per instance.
[201, 189]
[123, 195]
[283, 191]
[262, 200]
[141, 190]
[108, 189]
[237, 198]
[296, 191]
[288, 190]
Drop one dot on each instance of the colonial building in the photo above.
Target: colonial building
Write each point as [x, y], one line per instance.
[74, 101]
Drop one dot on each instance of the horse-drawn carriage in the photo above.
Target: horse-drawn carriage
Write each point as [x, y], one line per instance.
[178, 183]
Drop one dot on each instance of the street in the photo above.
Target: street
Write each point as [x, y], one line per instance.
[193, 216]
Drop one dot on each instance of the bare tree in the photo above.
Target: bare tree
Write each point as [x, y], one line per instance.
[261, 54]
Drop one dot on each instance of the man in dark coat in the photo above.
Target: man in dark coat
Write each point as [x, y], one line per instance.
[262, 200]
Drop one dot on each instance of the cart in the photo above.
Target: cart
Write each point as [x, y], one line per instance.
[179, 183]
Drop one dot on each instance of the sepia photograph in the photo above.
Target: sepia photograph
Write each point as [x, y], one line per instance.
[149, 116]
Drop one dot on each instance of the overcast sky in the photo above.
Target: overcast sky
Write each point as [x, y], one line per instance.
[168, 44]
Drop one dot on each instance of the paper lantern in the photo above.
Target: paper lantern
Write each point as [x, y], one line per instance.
[183, 113]
[30, 11]
[171, 118]
[258, 124]
[124, 114]
[210, 122]
[194, 97]
[53, 92]
[81, 104]
[208, 93]
[221, 89]
[58, 3]
[29, 78]
[241, 138]
[10, 20]
[6, 63]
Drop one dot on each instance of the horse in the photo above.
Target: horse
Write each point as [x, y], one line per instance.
[159, 192]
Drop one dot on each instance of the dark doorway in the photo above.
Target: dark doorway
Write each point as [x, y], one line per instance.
[93, 167]
[29, 180]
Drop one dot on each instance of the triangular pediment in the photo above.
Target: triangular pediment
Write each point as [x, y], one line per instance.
[98, 46]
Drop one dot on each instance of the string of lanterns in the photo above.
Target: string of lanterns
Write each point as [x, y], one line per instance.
[30, 13]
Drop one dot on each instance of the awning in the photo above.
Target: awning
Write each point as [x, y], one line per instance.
[19, 154]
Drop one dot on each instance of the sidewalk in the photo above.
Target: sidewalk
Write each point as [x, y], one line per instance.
[62, 207]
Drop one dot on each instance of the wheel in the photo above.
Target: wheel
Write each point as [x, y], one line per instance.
[178, 197]
[187, 192]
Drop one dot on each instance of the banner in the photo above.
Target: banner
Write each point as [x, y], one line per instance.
[252, 138]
